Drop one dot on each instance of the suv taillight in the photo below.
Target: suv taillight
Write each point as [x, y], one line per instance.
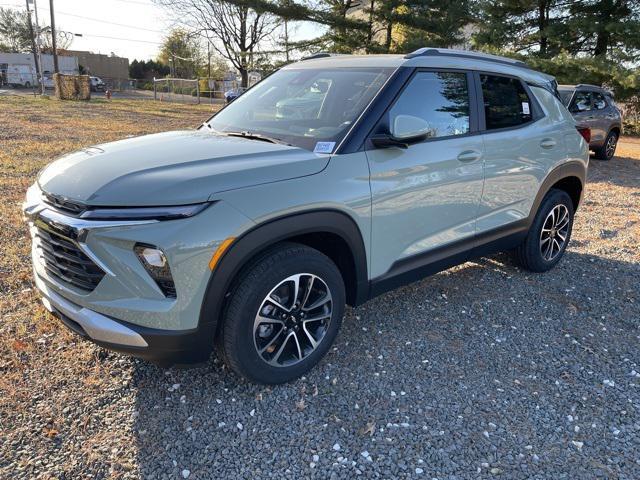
[585, 132]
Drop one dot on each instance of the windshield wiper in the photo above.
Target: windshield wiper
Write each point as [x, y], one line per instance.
[256, 136]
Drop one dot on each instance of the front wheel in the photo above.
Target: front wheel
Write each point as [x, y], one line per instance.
[284, 314]
[549, 233]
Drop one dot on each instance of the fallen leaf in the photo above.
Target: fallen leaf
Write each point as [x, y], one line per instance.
[369, 428]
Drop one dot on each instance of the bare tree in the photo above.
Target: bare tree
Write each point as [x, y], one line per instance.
[236, 30]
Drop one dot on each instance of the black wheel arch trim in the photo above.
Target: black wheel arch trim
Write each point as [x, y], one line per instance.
[569, 169]
[271, 232]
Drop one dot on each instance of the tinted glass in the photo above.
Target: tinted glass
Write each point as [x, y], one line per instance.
[581, 102]
[303, 106]
[506, 103]
[439, 98]
[565, 96]
[598, 101]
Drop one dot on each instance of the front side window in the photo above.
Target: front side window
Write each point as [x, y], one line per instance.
[439, 98]
[305, 106]
[506, 103]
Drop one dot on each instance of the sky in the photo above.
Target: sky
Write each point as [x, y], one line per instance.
[127, 28]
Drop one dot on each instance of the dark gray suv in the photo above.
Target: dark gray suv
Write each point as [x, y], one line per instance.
[594, 107]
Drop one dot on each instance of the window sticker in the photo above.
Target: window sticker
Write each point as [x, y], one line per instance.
[525, 108]
[324, 147]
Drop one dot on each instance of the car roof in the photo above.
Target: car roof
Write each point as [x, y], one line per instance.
[429, 58]
[585, 86]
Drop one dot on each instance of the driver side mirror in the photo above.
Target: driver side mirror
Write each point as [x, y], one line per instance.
[405, 130]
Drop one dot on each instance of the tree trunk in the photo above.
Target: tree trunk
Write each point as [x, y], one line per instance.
[244, 74]
[387, 42]
[372, 7]
[542, 25]
[602, 42]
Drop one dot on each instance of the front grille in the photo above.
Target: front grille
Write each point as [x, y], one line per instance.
[64, 260]
[64, 205]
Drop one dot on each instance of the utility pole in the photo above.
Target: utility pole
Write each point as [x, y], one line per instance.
[39, 50]
[53, 38]
[33, 42]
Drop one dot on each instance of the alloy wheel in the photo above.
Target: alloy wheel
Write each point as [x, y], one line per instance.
[292, 320]
[555, 230]
[610, 147]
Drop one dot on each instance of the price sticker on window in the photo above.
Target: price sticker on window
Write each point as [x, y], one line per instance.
[525, 108]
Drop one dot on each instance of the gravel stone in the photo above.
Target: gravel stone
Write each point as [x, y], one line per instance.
[489, 363]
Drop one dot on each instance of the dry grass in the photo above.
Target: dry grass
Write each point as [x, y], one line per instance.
[33, 132]
[42, 365]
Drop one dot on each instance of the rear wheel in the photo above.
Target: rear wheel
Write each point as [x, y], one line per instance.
[608, 149]
[549, 234]
[284, 314]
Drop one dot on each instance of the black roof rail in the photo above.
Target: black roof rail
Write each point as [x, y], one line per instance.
[444, 52]
[589, 85]
[316, 55]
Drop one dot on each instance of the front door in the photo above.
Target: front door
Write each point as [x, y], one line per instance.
[426, 196]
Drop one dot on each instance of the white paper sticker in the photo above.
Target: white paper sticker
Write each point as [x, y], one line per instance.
[324, 147]
[525, 108]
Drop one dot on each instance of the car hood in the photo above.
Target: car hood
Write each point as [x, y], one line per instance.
[173, 168]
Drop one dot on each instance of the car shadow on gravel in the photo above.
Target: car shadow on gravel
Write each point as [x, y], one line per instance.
[481, 370]
[620, 171]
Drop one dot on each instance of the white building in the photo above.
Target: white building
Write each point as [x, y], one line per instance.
[20, 68]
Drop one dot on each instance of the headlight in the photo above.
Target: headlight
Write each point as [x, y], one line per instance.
[145, 213]
[34, 196]
[157, 266]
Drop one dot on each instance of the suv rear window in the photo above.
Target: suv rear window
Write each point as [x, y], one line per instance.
[506, 103]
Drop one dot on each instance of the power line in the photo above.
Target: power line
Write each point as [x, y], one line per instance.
[120, 38]
[59, 12]
[107, 22]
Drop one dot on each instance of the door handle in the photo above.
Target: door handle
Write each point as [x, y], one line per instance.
[469, 156]
[548, 143]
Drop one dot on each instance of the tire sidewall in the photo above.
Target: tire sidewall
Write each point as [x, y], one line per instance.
[611, 134]
[239, 341]
[553, 199]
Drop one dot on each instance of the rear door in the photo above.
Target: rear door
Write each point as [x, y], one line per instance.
[521, 143]
[603, 117]
[584, 112]
[426, 196]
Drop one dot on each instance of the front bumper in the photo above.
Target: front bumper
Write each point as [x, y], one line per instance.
[163, 347]
[126, 311]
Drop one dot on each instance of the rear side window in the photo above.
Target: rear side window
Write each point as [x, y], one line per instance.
[439, 98]
[506, 103]
[598, 101]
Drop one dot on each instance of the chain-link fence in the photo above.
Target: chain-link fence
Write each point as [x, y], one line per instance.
[176, 90]
[218, 91]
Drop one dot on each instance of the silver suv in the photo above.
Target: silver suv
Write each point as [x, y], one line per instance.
[332, 181]
[594, 107]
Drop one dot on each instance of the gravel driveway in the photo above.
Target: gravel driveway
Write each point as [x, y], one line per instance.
[482, 371]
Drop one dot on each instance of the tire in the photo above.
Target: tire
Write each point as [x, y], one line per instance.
[533, 253]
[608, 148]
[282, 350]
[27, 84]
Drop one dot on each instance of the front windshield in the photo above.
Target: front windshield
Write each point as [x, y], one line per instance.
[310, 108]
